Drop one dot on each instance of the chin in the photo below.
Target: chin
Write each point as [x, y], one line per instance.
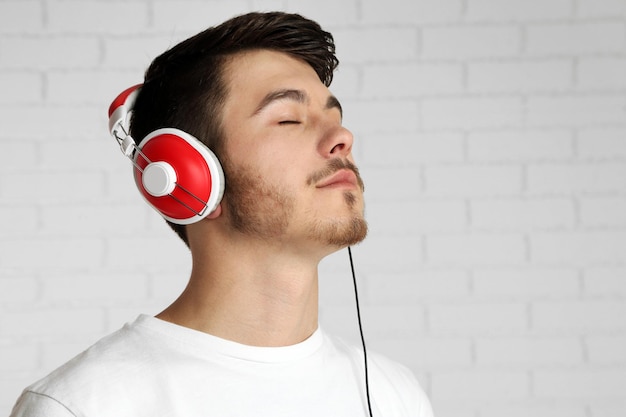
[340, 234]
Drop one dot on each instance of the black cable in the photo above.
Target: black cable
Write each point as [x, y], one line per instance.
[358, 314]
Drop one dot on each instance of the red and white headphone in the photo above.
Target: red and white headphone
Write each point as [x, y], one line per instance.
[176, 173]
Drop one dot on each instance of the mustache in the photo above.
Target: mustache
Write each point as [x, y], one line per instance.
[333, 166]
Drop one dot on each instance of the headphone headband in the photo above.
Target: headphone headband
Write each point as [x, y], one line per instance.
[120, 108]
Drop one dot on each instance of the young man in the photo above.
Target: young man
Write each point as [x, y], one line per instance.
[243, 337]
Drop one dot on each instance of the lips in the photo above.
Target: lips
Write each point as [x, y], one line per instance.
[342, 178]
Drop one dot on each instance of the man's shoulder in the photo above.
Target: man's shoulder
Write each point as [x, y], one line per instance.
[103, 366]
[394, 388]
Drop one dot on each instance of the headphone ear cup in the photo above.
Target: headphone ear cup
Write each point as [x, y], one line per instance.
[178, 176]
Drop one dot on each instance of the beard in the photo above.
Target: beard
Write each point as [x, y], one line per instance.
[266, 211]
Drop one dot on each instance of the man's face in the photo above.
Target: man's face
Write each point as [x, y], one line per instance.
[289, 170]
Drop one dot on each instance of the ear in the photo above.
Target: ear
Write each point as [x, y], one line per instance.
[216, 213]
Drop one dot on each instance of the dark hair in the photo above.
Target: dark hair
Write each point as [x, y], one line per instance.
[184, 87]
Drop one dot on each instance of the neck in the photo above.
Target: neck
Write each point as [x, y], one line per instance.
[253, 294]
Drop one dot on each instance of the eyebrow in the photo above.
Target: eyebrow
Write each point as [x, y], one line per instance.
[298, 96]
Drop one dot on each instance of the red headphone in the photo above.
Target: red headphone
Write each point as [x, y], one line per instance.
[176, 173]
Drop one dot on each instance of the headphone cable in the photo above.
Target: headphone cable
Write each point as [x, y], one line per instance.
[358, 314]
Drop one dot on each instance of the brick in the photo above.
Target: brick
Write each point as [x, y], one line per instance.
[410, 11]
[578, 248]
[10, 150]
[134, 53]
[56, 252]
[400, 150]
[616, 409]
[525, 352]
[576, 111]
[53, 322]
[19, 357]
[601, 143]
[512, 10]
[195, 16]
[519, 145]
[406, 288]
[393, 254]
[101, 154]
[97, 17]
[477, 318]
[526, 214]
[346, 82]
[268, 4]
[416, 218]
[576, 178]
[389, 321]
[605, 281]
[21, 16]
[483, 249]
[87, 87]
[473, 180]
[424, 79]
[20, 87]
[52, 186]
[575, 39]
[427, 353]
[389, 184]
[357, 45]
[93, 288]
[20, 290]
[603, 211]
[580, 384]
[471, 112]
[475, 41]
[52, 122]
[328, 13]
[522, 284]
[475, 387]
[49, 52]
[148, 253]
[606, 350]
[600, 8]
[19, 220]
[604, 73]
[121, 188]
[578, 316]
[92, 220]
[554, 75]
[381, 116]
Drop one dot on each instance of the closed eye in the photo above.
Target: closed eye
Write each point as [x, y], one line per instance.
[289, 122]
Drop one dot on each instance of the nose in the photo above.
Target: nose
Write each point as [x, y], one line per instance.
[337, 143]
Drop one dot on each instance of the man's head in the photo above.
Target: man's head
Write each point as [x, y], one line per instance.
[289, 159]
[188, 86]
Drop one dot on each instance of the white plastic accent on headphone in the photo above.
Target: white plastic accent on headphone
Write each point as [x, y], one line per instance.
[217, 182]
[119, 117]
[159, 179]
[127, 146]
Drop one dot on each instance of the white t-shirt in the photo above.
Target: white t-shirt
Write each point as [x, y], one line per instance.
[154, 368]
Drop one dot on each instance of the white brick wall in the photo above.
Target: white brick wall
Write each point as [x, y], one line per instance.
[492, 138]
